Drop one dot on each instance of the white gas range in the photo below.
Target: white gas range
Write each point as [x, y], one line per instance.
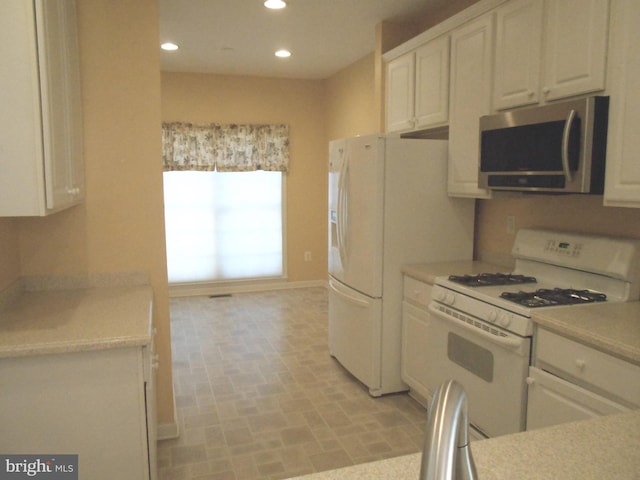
[481, 325]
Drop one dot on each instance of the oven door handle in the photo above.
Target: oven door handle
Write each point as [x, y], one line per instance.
[506, 342]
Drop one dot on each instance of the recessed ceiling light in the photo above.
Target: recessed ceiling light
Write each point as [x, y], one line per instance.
[169, 46]
[283, 53]
[275, 4]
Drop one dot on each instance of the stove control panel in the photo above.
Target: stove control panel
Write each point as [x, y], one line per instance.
[499, 317]
[608, 256]
[559, 247]
[482, 311]
[445, 296]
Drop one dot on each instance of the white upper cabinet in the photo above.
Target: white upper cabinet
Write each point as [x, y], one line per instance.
[400, 85]
[575, 47]
[622, 178]
[418, 88]
[572, 62]
[41, 169]
[432, 83]
[518, 54]
[471, 80]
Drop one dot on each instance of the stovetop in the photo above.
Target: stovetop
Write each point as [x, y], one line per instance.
[552, 269]
[544, 297]
[491, 279]
[532, 297]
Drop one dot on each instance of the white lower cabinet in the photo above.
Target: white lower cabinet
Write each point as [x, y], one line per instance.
[97, 404]
[553, 400]
[570, 381]
[415, 333]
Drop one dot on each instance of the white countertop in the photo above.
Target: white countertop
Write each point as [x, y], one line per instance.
[60, 321]
[596, 449]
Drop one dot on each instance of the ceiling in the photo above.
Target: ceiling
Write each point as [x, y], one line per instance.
[239, 37]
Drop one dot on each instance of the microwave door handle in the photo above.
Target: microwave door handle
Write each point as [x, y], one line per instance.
[565, 145]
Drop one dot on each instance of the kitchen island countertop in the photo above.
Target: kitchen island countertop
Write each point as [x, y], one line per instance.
[64, 321]
[595, 449]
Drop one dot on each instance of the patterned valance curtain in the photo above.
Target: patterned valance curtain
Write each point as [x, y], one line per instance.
[225, 148]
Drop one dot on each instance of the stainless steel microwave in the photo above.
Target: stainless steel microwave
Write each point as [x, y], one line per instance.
[559, 147]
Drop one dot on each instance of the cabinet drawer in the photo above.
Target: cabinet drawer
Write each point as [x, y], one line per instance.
[586, 366]
[552, 400]
[417, 291]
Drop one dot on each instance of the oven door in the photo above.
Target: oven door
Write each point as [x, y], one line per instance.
[491, 364]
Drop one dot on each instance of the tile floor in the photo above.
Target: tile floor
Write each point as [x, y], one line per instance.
[259, 396]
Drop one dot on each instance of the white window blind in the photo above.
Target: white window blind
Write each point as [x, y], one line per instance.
[223, 225]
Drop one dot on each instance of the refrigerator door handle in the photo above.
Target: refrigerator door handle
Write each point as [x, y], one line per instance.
[342, 210]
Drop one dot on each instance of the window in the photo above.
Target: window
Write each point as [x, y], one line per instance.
[223, 225]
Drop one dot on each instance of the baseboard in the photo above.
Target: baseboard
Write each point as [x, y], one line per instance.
[200, 289]
[418, 397]
[167, 431]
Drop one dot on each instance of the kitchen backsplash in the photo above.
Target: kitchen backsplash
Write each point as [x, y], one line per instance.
[500, 217]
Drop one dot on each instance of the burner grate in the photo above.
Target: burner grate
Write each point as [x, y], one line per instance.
[549, 297]
[491, 279]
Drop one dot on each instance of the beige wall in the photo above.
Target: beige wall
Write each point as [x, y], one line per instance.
[9, 252]
[576, 213]
[350, 104]
[203, 98]
[120, 227]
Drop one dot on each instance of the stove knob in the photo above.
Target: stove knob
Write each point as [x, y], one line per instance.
[443, 296]
[504, 320]
[450, 298]
[492, 316]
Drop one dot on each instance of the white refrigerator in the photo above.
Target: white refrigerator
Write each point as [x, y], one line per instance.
[388, 206]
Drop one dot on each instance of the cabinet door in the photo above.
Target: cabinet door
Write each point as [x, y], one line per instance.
[552, 401]
[432, 83]
[400, 93]
[575, 47]
[415, 333]
[471, 66]
[60, 92]
[40, 123]
[21, 177]
[622, 179]
[518, 54]
[87, 403]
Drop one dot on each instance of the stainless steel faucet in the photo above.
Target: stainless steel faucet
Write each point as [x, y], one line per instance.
[446, 454]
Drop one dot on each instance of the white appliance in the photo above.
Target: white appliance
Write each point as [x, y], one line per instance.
[481, 326]
[388, 206]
